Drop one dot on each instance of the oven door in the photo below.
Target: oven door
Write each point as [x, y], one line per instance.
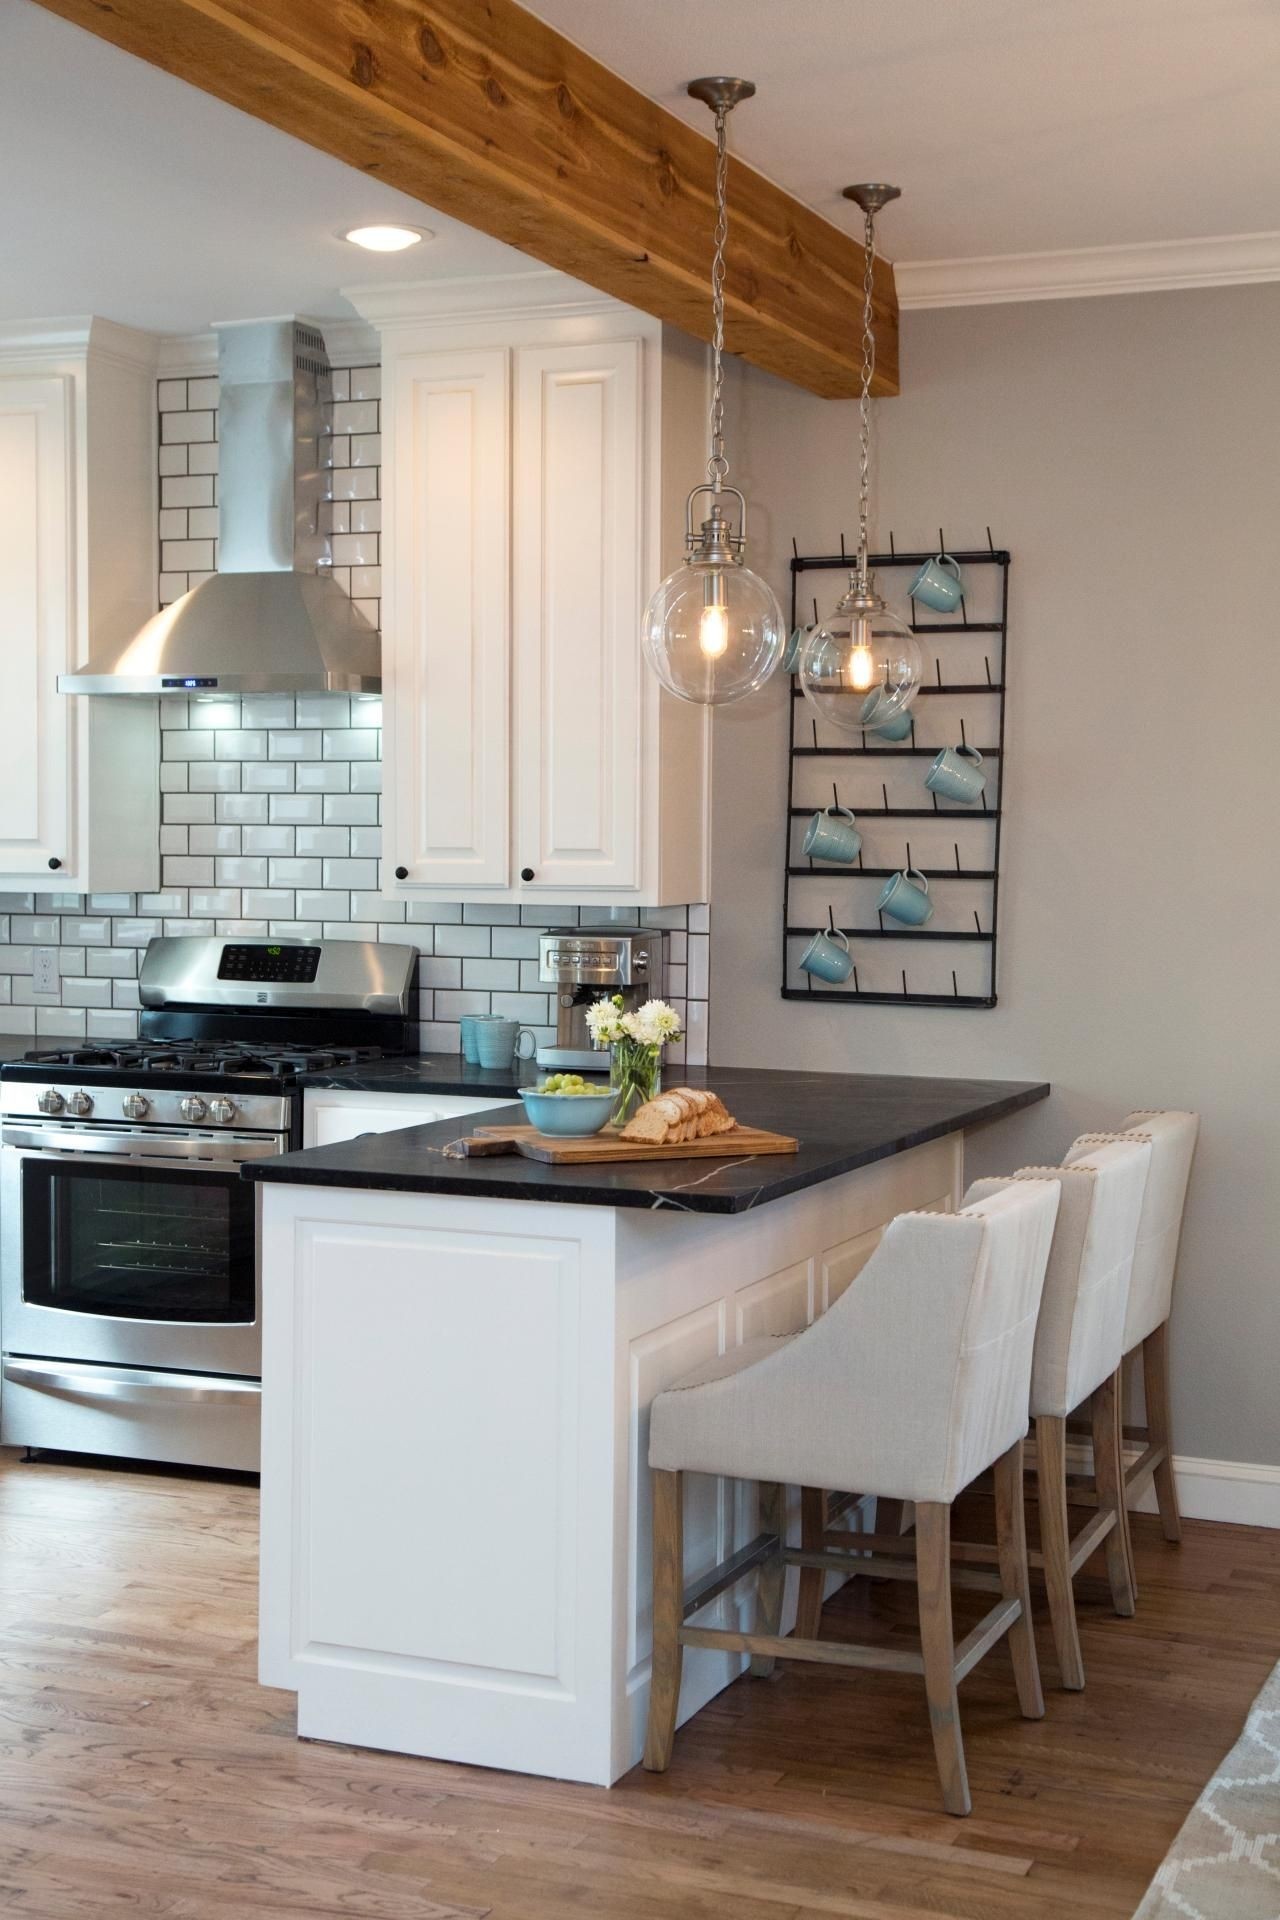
[130, 1247]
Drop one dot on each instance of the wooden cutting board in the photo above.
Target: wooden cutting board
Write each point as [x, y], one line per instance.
[742, 1142]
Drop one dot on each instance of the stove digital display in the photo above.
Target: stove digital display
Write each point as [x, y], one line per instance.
[281, 966]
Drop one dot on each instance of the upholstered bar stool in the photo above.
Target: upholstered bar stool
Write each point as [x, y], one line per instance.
[1078, 1354]
[1172, 1137]
[913, 1383]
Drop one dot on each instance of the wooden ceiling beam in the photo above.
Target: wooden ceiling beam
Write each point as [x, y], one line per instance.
[480, 110]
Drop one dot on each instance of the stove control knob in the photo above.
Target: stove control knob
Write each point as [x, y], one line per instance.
[136, 1106]
[192, 1108]
[79, 1104]
[50, 1101]
[222, 1111]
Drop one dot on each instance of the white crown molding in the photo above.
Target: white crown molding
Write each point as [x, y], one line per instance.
[75, 336]
[350, 343]
[540, 292]
[1226, 260]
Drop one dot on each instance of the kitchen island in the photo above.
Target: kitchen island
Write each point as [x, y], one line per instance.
[459, 1357]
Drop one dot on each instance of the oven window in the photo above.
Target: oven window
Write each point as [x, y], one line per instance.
[137, 1242]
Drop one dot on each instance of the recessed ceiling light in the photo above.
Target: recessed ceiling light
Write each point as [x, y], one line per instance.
[386, 239]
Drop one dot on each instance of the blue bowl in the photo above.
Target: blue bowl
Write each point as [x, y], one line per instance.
[569, 1116]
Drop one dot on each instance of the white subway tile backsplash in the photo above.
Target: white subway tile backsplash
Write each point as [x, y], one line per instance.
[188, 872]
[272, 776]
[324, 776]
[296, 810]
[257, 839]
[350, 743]
[217, 776]
[242, 871]
[195, 808]
[240, 744]
[330, 840]
[351, 873]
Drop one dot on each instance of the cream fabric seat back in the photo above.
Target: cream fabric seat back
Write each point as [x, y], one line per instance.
[1079, 1341]
[915, 1380]
[1172, 1135]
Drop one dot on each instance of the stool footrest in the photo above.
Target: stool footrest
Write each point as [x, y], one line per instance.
[764, 1547]
[983, 1637]
[830, 1653]
[879, 1567]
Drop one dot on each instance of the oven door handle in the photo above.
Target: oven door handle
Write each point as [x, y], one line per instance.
[131, 1146]
[134, 1385]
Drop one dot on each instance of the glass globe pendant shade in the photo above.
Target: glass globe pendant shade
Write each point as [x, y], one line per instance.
[713, 631]
[864, 665]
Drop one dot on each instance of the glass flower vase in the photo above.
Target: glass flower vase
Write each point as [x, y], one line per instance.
[635, 1075]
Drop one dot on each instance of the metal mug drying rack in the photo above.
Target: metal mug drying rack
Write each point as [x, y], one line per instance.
[804, 746]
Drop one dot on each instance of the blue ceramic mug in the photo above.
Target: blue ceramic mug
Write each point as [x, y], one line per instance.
[896, 727]
[499, 1042]
[956, 773]
[939, 584]
[831, 835]
[468, 1023]
[794, 648]
[906, 897]
[827, 957]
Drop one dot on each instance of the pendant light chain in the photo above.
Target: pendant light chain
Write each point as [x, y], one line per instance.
[717, 464]
[868, 374]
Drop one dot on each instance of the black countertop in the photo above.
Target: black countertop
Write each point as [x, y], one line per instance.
[436, 1073]
[842, 1121]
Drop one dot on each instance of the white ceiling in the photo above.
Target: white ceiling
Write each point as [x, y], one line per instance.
[129, 194]
[1012, 126]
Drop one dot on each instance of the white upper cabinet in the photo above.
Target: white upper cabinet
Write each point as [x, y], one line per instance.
[447, 619]
[530, 755]
[579, 578]
[79, 783]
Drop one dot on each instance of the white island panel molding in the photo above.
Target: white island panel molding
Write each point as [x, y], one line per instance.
[456, 1395]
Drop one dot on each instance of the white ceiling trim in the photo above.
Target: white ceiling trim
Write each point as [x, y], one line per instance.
[1226, 260]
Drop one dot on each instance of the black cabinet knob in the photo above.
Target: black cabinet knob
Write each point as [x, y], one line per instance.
[55, 864]
[526, 873]
[402, 873]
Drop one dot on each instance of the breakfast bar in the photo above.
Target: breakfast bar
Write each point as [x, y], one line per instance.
[459, 1358]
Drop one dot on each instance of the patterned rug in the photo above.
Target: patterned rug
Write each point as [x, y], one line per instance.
[1225, 1863]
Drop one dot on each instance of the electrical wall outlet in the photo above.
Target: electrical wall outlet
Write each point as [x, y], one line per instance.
[44, 969]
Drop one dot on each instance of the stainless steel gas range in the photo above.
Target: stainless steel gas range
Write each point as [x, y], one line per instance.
[129, 1305]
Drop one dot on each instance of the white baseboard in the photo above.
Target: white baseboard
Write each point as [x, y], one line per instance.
[1240, 1491]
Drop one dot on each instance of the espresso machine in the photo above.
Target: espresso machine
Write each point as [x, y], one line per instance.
[584, 965]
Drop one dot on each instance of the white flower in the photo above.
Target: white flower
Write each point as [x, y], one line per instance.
[605, 1021]
[653, 1024]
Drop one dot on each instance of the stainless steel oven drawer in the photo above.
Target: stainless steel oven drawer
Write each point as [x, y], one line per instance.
[135, 1413]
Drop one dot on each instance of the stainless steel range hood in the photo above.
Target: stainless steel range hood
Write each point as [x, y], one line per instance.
[271, 620]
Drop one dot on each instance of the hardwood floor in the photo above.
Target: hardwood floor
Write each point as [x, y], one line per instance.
[144, 1772]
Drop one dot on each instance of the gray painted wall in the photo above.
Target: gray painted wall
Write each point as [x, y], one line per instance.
[1125, 450]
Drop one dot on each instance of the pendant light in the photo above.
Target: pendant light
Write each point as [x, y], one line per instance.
[713, 631]
[863, 665]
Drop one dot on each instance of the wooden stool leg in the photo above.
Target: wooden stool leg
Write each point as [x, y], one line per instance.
[771, 1577]
[937, 1643]
[1155, 1380]
[1055, 1545]
[812, 1579]
[1011, 1542]
[1123, 1393]
[888, 1516]
[1108, 1476]
[668, 1615]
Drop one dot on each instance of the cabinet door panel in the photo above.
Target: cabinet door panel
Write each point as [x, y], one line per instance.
[447, 615]
[578, 574]
[36, 621]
